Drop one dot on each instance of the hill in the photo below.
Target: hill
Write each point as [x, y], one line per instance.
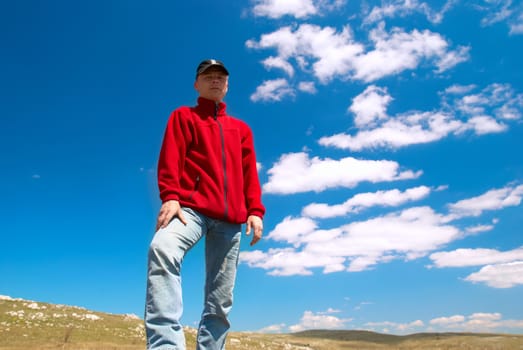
[34, 325]
[27, 324]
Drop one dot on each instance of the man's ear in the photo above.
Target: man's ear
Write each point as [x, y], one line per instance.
[196, 85]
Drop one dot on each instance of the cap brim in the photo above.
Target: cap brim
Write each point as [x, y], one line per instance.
[207, 67]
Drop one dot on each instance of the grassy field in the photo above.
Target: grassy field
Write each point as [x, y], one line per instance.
[32, 325]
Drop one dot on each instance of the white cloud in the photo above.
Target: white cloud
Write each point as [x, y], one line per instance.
[401, 131]
[476, 322]
[295, 8]
[278, 62]
[483, 113]
[330, 310]
[280, 8]
[516, 27]
[498, 98]
[296, 172]
[365, 200]
[453, 58]
[485, 125]
[370, 105]
[497, 11]
[475, 257]
[328, 53]
[403, 8]
[292, 230]
[491, 200]
[311, 320]
[289, 262]
[447, 320]
[509, 112]
[506, 11]
[307, 86]
[485, 316]
[386, 326]
[500, 270]
[272, 90]
[500, 275]
[479, 228]
[459, 89]
[397, 51]
[409, 234]
[275, 328]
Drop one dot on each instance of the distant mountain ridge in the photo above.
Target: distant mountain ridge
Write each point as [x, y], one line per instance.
[374, 337]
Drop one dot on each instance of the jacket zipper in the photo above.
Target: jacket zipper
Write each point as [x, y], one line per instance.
[225, 214]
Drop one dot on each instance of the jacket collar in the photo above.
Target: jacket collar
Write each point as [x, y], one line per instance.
[209, 107]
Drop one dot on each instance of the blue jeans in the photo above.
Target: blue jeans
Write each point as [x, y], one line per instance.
[164, 290]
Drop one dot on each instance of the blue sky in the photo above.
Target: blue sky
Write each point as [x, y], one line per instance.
[388, 134]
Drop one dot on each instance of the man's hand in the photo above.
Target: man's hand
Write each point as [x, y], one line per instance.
[168, 211]
[255, 224]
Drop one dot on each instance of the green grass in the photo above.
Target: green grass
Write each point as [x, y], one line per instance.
[30, 324]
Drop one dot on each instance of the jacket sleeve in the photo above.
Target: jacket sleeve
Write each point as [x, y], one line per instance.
[252, 189]
[172, 155]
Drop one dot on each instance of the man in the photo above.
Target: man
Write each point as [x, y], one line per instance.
[209, 186]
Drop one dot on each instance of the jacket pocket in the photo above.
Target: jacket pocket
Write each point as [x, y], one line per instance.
[196, 186]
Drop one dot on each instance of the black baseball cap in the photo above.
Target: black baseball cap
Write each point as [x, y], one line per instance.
[206, 64]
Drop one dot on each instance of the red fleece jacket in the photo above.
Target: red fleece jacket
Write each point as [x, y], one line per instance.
[207, 163]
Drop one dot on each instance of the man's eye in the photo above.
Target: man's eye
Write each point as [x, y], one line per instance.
[212, 77]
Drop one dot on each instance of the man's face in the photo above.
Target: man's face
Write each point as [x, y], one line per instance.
[212, 84]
